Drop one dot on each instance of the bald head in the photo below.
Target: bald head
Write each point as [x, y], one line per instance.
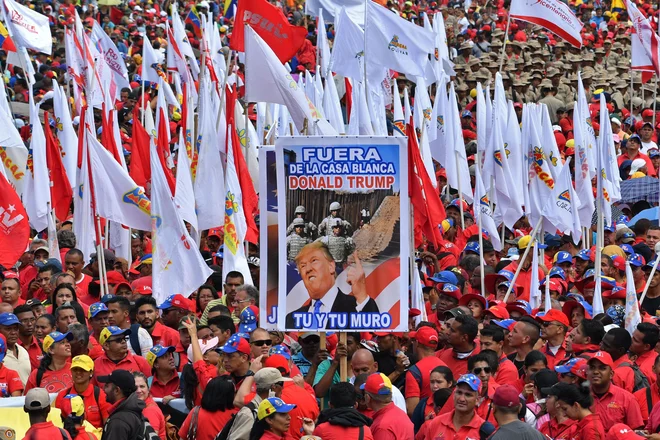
[363, 362]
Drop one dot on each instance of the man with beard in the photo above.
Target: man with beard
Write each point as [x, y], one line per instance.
[147, 317]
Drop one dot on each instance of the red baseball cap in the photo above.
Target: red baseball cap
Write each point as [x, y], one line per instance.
[621, 431]
[554, 315]
[426, 336]
[619, 262]
[218, 232]
[116, 277]
[278, 361]
[604, 357]
[506, 396]
[499, 312]
[142, 286]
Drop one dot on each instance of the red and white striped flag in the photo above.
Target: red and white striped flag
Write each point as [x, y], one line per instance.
[553, 15]
[644, 34]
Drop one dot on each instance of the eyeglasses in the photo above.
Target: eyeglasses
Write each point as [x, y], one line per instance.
[311, 340]
[263, 342]
[478, 371]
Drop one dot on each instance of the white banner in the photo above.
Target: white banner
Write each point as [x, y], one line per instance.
[553, 15]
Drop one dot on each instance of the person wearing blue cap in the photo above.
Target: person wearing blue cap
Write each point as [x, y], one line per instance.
[54, 372]
[10, 381]
[17, 358]
[463, 421]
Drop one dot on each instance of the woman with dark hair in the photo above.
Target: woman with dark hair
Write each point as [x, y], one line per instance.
[206, 421]
[575, 402]
[273, 420]
[73, 416]
[54, 372]
[152, 411]
[205, 294]
[45, 324]
[62, 294]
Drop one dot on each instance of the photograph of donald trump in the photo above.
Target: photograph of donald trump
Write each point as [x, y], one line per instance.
[318, 271]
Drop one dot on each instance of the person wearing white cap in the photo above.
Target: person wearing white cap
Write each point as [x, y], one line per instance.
[638, 166]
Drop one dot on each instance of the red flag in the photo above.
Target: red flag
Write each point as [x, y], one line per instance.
[270, 23]
[107, 135]
[117, 14]
[140, 167]
[61, 192]
[428, 209]
[14, 226]
[163, 148]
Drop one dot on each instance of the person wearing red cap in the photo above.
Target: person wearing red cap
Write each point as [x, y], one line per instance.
[418, 377]
[463, 331]
[390, 423]
[506, 405]
[644, 339]
[461, 423]
[491, 337]
[613, 404]
[147, 317]
[554, 325]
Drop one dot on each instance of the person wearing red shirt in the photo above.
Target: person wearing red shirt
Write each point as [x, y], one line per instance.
[10, 381]
[389, 421]
[448, 296]
[525, 275]
[26, 338]
[418, 376]
[644, 339]
[74, 262]
[633, 146]
[273, 420]
[37, 406]
[613, 404]
[10, 292]
[647, 397]
[522, 338]
[491, 337]
[54, 372]
[463, 330]
[560, 426]
[96, 406]
[166, 382]
[554, 325]
[152, 411]
[216, 410]
[147, 317]
[575, 402]
[463, 421]
[617, 342]
[116, 356]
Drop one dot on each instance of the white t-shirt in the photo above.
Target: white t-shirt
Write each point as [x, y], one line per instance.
[646, 146]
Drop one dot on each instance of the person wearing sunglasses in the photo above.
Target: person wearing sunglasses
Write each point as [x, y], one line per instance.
[260, 343]
[554, 324]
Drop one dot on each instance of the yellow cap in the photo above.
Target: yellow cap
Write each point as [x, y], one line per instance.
[637, 175]
[473, 93]
[77, 406]
[570, 143]
[83, 362]
[524, 242]
[176, 116]
[271, 406]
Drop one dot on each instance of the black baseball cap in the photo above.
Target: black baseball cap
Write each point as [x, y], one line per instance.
[122, 378]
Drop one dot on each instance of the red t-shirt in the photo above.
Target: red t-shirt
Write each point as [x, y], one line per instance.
[590, 428]
[566, 430]
[645, 362]
[34, 351]
[306, 406]
[45, 430]
[104, 366]
[553, 359]
[617, 406]
[209, 424]
[391, 423]
[425, 366]
[82, 288]
[640, 396]
[95, 412]
[326, 431]
[506, 372]
[155, 417]
[165, 336]
[53, 381]
[443, 427]
[457, 366]
[171, 388]
[624, 376]
[10, 381]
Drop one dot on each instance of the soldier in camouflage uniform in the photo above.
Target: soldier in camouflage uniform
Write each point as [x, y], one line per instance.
[325, 228]
[296, 240]
[339, 246]
[310, 228]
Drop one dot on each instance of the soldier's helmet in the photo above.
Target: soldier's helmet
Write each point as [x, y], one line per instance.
[298, 222]
[335, 206]
[300, 210]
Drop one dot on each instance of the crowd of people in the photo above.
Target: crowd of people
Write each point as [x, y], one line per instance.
[123, 366]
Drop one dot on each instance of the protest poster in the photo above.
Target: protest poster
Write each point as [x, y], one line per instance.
[269, 270]
[340, 264]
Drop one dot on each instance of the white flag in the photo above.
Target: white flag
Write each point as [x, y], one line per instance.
[348, 48]
[396, 43]
[235, 221]
[541, 181]
[332, 8]
[184, 194]
[152, 71]
[178, 267]
[29, 29]
[553, 15]
[14, 154]
[534, 292]
[332, 107]
[441, 50]
[458, 172]
[210, 171]
[324, 47]
[645, 35]
[605, 175]
[640, 57]
[53, 245]
[112, 56]
[36, 193]
[267, 80]
[417, 297]
[483, 213]
[561, 209]
[83, 216]
[633, 316]
[65, 132]
[583, 186]
[117, 196]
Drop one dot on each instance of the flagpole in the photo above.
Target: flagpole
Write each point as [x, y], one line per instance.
[506, 38]
[632, 91]
[655, 96]
[600, 229]
[477, 203]
[460, 189]
[522, 259]
[650, 277]
[103, 278]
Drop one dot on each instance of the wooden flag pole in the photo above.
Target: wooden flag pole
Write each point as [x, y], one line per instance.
[343, 362]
